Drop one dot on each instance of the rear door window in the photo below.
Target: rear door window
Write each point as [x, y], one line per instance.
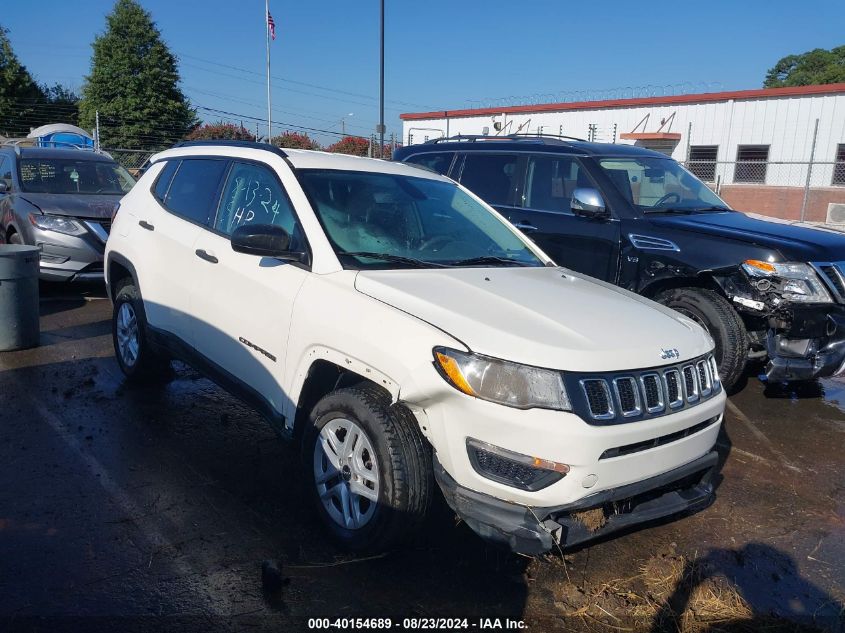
[492, 177]
[194, 189]
[436, 161]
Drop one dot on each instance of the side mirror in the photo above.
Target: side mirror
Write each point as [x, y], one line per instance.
[264, 240]
[588, 203]
[4, 188]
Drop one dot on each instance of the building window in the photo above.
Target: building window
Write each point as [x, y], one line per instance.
[702, 161]
[839, 165]
[751, 161]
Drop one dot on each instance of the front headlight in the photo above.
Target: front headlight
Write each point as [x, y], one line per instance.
[800, 282]
[57, 223]
[510, 384]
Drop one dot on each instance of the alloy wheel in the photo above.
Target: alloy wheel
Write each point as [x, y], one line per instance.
[127, 334]
[346, 473]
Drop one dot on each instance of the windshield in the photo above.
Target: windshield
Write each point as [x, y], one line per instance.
[656, 185]
[72, 176]
[377, 220]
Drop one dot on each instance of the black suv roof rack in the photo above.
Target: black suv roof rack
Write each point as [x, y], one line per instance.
[232, 143]
[536, 138]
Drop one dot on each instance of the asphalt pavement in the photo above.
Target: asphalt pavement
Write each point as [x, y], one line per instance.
[152, 508]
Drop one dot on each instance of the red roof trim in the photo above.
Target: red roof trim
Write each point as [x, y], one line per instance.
[707, 97]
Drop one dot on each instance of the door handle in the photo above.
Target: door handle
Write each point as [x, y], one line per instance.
[203, 254]
[525, 226]
[146, 225]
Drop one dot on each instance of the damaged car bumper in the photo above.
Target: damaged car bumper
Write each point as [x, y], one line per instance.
[535, 530]
[810, 345]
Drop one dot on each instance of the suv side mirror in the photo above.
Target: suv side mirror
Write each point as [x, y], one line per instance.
[588, 203]
[4, 188]
[264, 240]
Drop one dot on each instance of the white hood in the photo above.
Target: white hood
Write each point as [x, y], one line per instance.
[548, 317]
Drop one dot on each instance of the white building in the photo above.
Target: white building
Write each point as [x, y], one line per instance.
[758, 147]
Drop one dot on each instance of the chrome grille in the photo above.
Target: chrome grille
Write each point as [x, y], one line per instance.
[833, 276]
[673, 388]
[704, 383]
[598, 398]
[690, 383]
[628, 396]
[653, 392]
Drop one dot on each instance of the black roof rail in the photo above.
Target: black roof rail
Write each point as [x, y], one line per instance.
[232, 143]
[557, 136]
[506, 137]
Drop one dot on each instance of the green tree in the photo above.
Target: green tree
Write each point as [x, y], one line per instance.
[134, 84]
[20, 96]
[818, 66]
[220, 130]
[295, 140]
[62, 104]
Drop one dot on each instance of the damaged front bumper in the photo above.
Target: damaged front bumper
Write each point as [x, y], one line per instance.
[810, 344]
[534, 530]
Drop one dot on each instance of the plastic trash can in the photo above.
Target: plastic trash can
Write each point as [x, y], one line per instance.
[19, 327]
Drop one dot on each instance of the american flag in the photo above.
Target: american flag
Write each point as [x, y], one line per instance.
[271, 25]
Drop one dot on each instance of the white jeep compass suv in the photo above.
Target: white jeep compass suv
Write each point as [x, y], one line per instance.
[404, 333]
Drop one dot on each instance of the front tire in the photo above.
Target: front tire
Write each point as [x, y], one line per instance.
[138, 360]
[713, 312]
[15, 238]
[369, 468]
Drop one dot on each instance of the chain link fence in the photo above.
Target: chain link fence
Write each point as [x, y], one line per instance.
[790, 190]
[133, 160]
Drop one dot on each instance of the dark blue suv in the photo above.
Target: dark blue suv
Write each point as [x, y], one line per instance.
[636, 218]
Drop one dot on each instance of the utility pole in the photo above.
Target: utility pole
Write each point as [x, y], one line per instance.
[380, 128]
[97, 130]
[267, 24]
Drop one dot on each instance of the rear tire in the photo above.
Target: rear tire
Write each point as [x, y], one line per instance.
[388, 455]
[138, 360]
[713, 312]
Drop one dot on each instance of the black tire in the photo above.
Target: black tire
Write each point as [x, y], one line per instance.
[149, 365]
[403, 459]
[717, 316]
[15, 238]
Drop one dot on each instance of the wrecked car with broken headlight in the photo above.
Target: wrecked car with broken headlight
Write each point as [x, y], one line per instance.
[766, 290]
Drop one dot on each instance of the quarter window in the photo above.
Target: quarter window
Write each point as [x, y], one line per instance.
[193, 192]
[6, 172]
[550, 182]
[702, 161]
[253, 195]
[163, 180]
[436, 161]
[492, 177]
[751, 162]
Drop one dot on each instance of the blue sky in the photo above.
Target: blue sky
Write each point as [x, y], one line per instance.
[440, 53]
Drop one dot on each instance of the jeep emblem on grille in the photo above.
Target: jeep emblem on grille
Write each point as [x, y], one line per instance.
[667, 354]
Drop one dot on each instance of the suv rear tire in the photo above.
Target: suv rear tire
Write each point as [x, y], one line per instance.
[137, 358]
[389, 464]
[713, 312]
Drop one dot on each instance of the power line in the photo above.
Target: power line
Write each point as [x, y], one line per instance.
[280, 123]
[302, 83]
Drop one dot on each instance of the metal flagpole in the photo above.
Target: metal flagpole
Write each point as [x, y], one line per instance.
[380, 127]
[267, 25]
